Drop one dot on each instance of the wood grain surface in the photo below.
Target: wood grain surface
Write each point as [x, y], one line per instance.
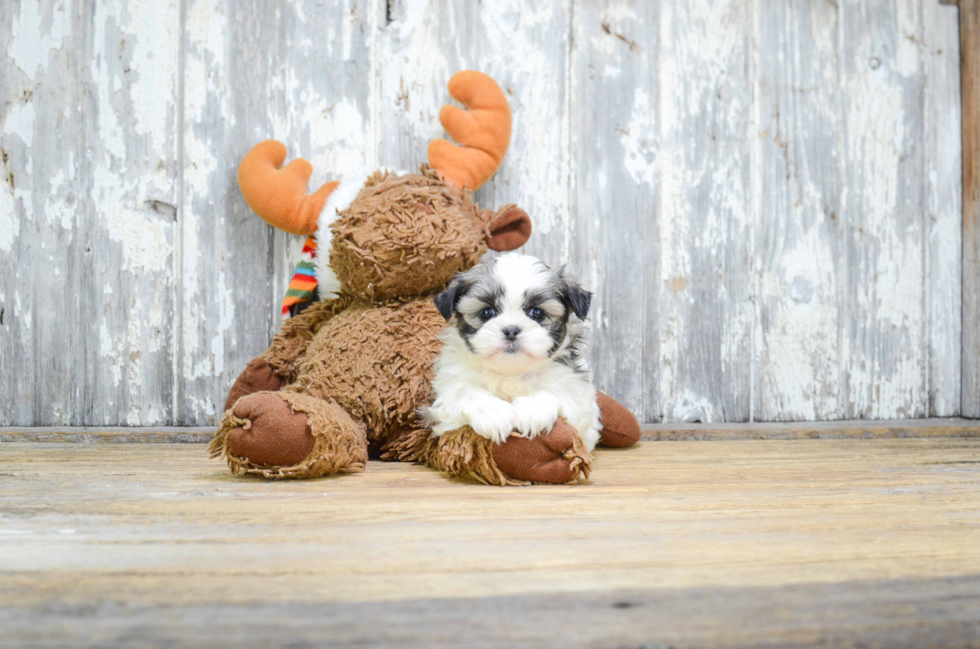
[887, 429]
[844, 542]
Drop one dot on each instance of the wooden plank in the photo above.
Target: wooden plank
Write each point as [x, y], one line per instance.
[798, 190]
[299, 72]
[127, 219]
[706, 313]
[90, 154]
[154, 541]
[615, 232]
[969, 14]
[891, 613]
[861, 429]
[942, 206]
[109, 435]
[884, 343]
[887, 429]
[40, 91]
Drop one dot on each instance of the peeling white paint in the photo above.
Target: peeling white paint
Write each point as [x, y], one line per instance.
[145, 240]
[155, 42]
[37, 30]
[886, 364]
[9, 224]
[110, 353]
[60, 206]
[19, 122]
[18, 129]
[703, 105]
[639, 141]
[340, 127]
[204, 71]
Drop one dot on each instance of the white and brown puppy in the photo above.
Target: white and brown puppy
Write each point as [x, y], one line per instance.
[513, 361]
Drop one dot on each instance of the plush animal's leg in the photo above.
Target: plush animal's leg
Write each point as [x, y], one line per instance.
[258, 376]
[289, 435]
[619, 427]
[556, 457]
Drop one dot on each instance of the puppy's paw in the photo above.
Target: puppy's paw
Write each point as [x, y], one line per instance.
[535, 413]
[491, 418]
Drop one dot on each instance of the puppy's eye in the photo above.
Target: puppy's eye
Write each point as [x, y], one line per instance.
[535, 314]
[487, 313]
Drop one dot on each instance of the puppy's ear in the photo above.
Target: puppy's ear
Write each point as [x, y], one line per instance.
[580, 299]
[446, 301]
[576, 296]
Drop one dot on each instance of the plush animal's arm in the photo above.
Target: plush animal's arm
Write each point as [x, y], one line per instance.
[277, 366]
[290, 343]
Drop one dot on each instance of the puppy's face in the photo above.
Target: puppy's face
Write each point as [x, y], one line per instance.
[513, 311]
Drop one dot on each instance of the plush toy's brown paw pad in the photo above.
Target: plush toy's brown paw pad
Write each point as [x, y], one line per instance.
[619, 427]
[258, 376]
[272, 435]
[553, 457]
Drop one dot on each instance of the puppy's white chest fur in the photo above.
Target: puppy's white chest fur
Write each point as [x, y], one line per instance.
[495, 405]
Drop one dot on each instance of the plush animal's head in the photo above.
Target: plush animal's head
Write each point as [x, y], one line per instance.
[386, 234]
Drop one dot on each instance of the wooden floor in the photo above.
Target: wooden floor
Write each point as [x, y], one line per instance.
[808, 542]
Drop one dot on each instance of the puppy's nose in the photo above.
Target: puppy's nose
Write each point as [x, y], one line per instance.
[511, 333]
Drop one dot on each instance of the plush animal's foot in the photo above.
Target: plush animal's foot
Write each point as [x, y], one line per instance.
[258, 376]
[289, 435]
[270, 434]
[619, 427]
[555, 457]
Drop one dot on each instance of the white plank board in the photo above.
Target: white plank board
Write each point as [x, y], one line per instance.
[615, 234]
[797, 190]
[942, 205]
[884, 341]
[705, 309]
[89, 208]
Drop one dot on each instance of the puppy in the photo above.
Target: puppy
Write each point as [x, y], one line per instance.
[513, 361]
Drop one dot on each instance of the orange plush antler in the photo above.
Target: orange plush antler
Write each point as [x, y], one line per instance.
[482, 131]
[279, 195]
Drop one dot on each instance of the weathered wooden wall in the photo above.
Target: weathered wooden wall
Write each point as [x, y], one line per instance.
[764, 194]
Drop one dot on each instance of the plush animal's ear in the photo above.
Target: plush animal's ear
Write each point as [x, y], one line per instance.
[510, 229]
[446, 301]
[578, 298]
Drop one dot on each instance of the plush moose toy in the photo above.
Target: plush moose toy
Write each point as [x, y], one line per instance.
[345, 378]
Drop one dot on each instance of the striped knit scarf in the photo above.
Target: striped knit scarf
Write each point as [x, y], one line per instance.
[303, 287]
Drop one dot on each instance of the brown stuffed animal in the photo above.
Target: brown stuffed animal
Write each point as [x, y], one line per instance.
[344, 380]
